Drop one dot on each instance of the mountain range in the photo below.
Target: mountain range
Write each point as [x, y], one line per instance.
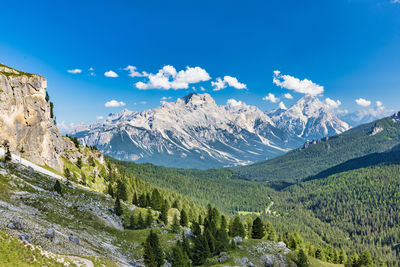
[195, 132]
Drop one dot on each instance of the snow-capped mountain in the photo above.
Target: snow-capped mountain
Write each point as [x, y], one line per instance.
[192, 132]
[195, 132]
[308, 118]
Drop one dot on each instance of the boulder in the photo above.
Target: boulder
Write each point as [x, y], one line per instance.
[15, 224]
[24, 237]
[51, 234]
[74, 239]
[237, 239]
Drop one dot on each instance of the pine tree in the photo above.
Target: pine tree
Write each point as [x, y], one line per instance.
[156, 200]
[57, 187]
[319, 254]
[132, 222]
[221, 240]
[270, 231]
[210, 240]
[67, 173]
[164, 214]
[142, 200]
[7, 155]
[236, 228]
[140, 221]
[149, 218]
[83, 179]
[110, 190]
[184, 218]
[179, 257]
[185, 244]
[175, 205]
[258, 231]
[135, 200]
[91, 161]
[175, 225]
[365, 259]
[196, 230]
[122, 191]
[79, 162]
[342, 257]
[302, 260]
[118, 207]
[200, 250]
[153, 255]
[47, 98]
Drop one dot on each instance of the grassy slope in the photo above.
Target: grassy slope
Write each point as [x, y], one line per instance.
[303, 162]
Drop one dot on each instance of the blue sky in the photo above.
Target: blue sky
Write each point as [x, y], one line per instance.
[350, 49]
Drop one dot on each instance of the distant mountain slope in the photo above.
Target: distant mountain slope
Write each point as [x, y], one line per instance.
[309, 118]
[195, 132]
[316, 156]
[364, 203]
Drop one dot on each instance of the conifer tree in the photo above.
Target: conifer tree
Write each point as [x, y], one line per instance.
[110, 190]
[118, 207]
[164, 214]
[135, 200]
[196, 230]
[236, 228]
[179, 256]
[175, 225]
[184, 218]
[132, 222]
[319, 254]
[7, 155]
[365, 259]
[149, 218]
[342, 257]
[153, 255]
[67, 173]
[270, 231]
[140, 221]
[156, 200]
[57, 187]
[142, 200]
[200, 250]
[221, 240]
[185, 244]
[122, 191]
[302, 260]
[210, 240]
[258, 229]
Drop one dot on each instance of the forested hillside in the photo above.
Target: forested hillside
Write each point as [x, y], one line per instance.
[356, 209]
[218, 186]
[325, 153]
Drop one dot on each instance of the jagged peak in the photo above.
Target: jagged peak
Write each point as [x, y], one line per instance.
[196, 99]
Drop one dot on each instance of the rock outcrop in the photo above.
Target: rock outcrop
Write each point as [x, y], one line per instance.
[25, 119]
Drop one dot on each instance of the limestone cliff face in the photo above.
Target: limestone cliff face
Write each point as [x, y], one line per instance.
[25, 118]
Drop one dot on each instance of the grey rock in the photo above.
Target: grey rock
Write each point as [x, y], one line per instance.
[15, 224]
[250, 264]
[74, 239]
[244, 260]
[24, 237]
[51, 234]
[237, 239]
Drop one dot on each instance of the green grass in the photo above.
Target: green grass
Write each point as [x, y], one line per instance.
[20, 73]
[13, 252]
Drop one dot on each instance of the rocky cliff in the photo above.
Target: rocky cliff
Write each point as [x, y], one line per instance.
[25, 118]
[26, 121]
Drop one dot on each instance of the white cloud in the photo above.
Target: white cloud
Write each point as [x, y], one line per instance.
[363, 102]
[219, 84]
[91, 69]
[143, 102]
[233, 103]
[110, 74]
[288, 96]
[228, 80]
[282, 105]
[168, 78]
[202, 88]
[332, 103]
[166, 97]
[233, 82]
[75, 71]
[300, 86]
[99, 117]
[271, 97]
[114, 104]
[133, 73]
[379, 103]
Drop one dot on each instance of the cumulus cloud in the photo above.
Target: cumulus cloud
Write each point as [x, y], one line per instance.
[99, 117]
[363, 102]
[233, 103]
[219, 84]
[133, 73]
[300, 86]
[282, 105]
[75, 71]
[166, 97]
[168, 78]
[110, 74]
[288, 96]
[332, 103]
[227, 80]
[114, 104]
[271, 97]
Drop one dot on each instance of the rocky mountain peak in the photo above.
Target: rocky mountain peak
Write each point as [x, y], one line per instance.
[197, 100]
